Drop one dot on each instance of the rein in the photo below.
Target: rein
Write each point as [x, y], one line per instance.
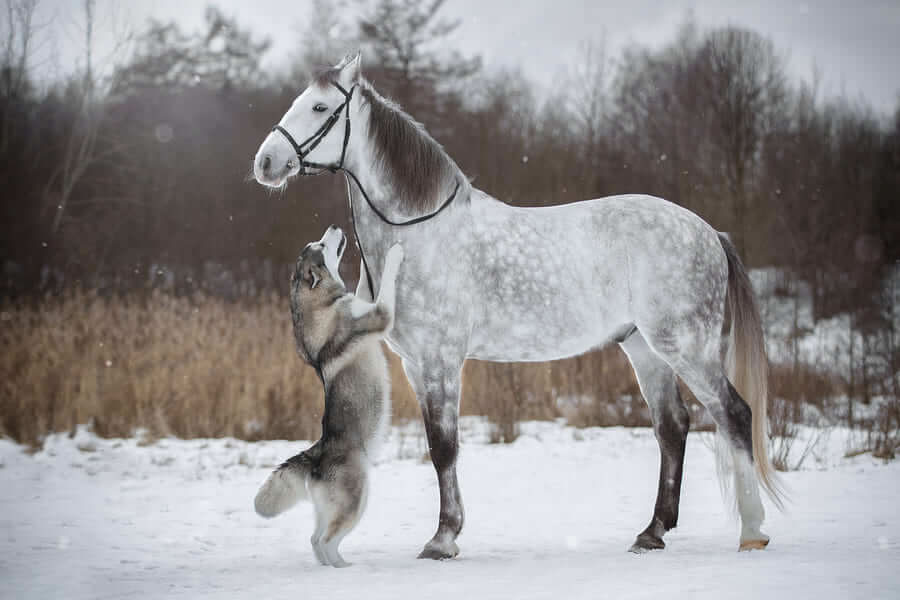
[308, 145]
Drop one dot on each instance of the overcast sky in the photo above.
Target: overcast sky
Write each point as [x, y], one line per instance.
[856, 45]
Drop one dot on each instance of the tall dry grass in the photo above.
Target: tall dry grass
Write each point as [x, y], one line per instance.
[189, 367]
[205, 367]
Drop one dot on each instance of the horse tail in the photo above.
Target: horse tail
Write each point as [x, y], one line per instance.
[748, 366]
[284, 487]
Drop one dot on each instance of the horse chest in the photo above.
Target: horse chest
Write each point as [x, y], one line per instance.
[427, 320]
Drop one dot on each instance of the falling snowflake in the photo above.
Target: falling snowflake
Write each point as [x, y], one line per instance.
[164, 133]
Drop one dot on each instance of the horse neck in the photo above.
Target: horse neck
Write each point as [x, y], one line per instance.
[373, 234]
[370, 229]
[379, 184]
[369, 180]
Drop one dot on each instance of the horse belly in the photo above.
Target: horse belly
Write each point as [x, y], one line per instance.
[552, 287]
[538, 335]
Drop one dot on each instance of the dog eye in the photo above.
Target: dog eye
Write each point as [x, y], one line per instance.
[320, 107]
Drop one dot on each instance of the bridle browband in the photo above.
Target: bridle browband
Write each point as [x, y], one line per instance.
[309, 144]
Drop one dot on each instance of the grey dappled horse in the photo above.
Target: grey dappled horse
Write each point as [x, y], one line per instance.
[486, 280]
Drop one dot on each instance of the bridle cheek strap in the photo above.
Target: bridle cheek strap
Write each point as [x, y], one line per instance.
[309, 144]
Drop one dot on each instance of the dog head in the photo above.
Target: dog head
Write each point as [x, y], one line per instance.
[318, 266]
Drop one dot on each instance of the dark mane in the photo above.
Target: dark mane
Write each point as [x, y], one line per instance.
[420, 173]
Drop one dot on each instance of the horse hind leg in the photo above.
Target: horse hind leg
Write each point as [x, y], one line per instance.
[732, 415]
[670, 423]
[739, 417]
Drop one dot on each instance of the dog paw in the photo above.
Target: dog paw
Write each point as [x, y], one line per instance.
[395, 255]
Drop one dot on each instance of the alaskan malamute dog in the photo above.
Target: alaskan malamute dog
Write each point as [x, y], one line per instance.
[340, 336]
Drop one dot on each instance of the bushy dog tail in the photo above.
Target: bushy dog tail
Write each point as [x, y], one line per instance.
[284, 487]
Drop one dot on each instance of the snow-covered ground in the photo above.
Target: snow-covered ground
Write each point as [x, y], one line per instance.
[549, 516]
[824, 344]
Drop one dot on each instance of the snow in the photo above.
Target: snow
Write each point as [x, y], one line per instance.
[825, 343]
[550, 515]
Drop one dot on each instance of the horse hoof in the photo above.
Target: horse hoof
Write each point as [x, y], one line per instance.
[747, 545]
[646, 543]
[436, 551]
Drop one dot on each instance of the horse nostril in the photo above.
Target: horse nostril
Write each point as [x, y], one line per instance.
[266, 162]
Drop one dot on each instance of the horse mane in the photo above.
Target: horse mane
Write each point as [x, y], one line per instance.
[416, 167]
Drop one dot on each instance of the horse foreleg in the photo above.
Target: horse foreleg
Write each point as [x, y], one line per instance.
[437, 390]
[670, 423]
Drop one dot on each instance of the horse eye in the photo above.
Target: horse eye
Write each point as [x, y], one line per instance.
[320, 107]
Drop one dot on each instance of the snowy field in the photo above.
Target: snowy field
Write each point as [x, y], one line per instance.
[549, 516]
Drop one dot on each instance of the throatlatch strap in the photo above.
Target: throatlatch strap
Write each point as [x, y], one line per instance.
[381, 216]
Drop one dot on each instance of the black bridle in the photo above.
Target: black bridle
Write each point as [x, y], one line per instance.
[309, 144]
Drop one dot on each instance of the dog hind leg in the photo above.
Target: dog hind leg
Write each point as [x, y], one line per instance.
[319, 499]
[348, 493]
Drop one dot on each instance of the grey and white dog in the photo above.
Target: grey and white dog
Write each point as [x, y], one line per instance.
[340, 336]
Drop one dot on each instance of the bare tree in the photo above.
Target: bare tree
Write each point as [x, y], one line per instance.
[18, 45]
[81, 142]
[408, 40]
[87, 99]
[587, 91]
[659, 125]
[742, 86]
[327, 36]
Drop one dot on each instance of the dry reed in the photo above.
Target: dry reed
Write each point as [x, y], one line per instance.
[205, 367]
[189, 367]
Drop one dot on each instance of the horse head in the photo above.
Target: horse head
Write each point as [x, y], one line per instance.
[313, 134]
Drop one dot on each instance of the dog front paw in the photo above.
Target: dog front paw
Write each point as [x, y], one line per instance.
[394, 257]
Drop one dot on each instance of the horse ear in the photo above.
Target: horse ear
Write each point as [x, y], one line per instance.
[350, 69]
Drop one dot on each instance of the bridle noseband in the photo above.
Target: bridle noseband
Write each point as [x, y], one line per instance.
[309, 144]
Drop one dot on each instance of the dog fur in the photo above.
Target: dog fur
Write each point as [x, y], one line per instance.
[340, 336]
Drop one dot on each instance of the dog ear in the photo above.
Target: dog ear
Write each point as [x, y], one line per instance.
[312, 277]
